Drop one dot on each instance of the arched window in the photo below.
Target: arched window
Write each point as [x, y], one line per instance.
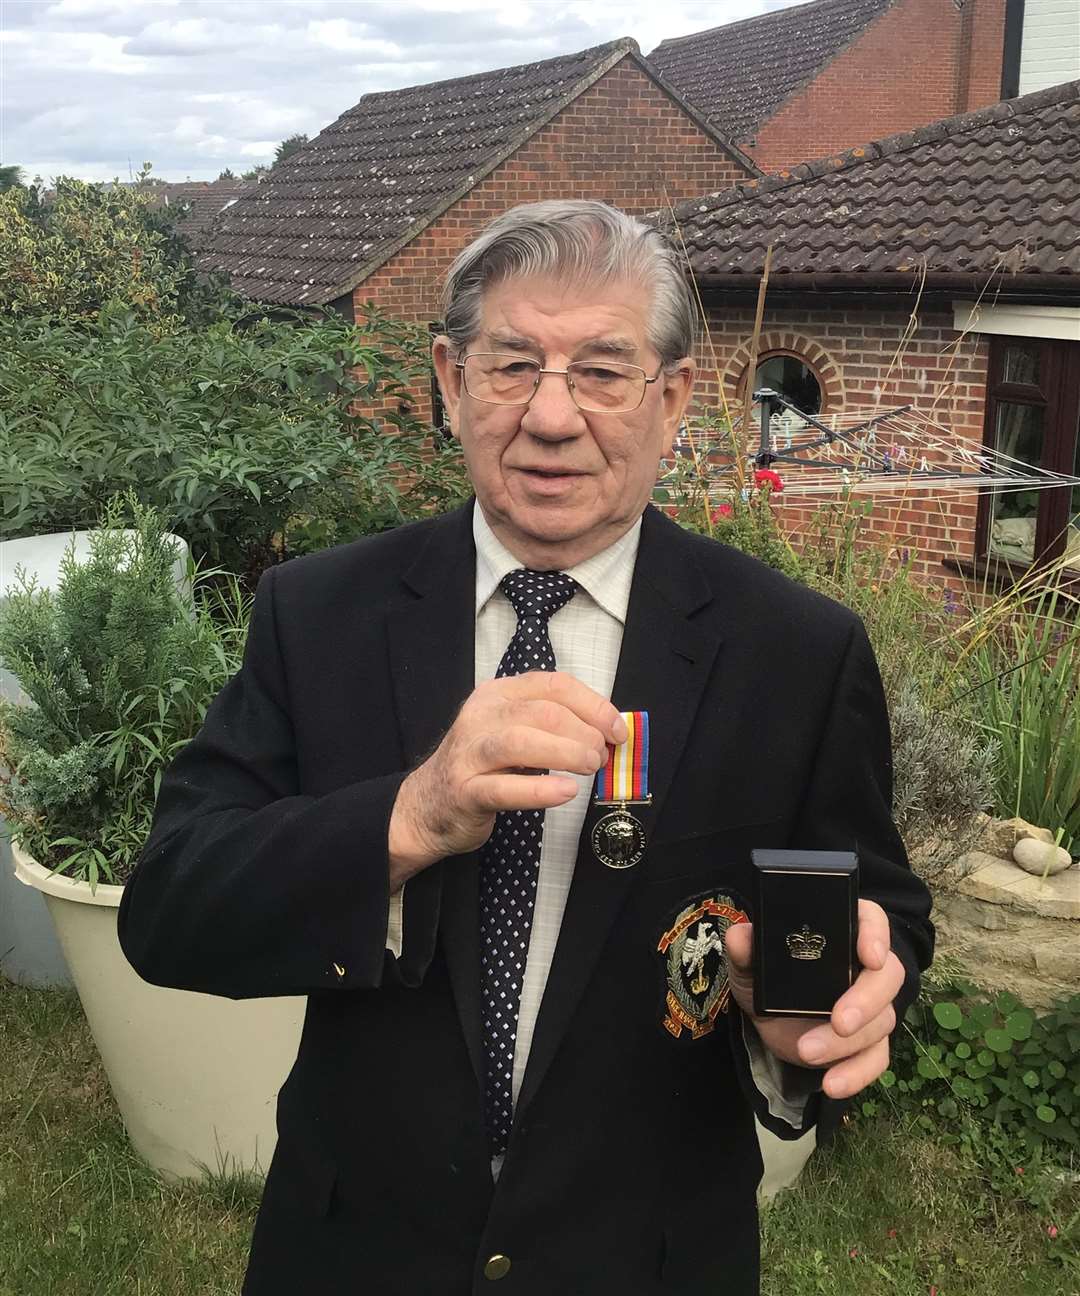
[792, 378]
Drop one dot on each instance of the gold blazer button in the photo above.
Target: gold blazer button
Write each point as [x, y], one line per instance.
[497, 1267]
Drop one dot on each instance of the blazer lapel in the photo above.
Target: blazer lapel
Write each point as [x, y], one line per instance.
[432, 647]
[664, 664]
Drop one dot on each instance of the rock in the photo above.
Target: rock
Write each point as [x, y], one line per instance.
[1061, 961]
[996, 882]
[999, 836]
[988, 878]
[978, 913]
[1041, 857]
[1037, 959]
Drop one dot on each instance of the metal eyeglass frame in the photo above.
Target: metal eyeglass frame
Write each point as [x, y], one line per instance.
[460, 364]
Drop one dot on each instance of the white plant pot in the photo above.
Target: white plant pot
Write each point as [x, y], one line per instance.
[195, 1076]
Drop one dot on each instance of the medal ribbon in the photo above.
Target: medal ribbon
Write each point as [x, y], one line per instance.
[625, 777]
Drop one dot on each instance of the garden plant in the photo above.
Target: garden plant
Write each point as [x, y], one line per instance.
[120, 666]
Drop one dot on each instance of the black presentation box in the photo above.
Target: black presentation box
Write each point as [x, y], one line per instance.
[806, 916]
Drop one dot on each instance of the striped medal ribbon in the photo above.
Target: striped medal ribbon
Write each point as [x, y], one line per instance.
[618, 838]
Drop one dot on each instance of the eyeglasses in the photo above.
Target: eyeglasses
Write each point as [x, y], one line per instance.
[595, 387]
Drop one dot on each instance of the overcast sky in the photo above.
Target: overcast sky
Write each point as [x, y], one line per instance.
[89, 86]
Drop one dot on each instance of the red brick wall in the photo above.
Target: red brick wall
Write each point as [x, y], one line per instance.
[861, 356]
[622, 140]
[917, 63]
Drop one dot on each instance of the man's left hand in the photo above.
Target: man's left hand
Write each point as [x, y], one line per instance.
[854, 1043]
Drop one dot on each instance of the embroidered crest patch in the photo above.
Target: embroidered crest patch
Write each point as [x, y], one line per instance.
[697, 983]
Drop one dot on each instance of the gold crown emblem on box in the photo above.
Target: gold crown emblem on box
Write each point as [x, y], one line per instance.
[806, 944]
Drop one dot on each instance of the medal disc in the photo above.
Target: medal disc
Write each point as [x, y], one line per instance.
[618, 840]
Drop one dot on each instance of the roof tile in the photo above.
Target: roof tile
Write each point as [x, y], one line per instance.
[998, 188]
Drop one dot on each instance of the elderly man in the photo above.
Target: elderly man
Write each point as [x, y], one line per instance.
[520, 1063]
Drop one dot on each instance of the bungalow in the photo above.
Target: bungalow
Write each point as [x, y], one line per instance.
[377, 205]
[937, 269]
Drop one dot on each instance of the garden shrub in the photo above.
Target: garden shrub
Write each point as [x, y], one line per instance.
[239, 433]
[943, 777]
[70, 254]
[119, 668]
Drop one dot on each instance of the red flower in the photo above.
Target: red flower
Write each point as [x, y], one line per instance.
[721, 511]
[891, 1233]
[1051, 1230]
[853, 1253]
[767, 477]
[1019, 1170]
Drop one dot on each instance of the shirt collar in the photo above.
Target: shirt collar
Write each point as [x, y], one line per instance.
[605, 577]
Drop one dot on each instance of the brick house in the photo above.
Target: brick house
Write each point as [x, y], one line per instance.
[376, 206]
[814, 79]
[940, 268]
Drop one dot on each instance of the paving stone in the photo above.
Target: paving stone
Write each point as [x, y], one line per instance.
[991, 879]
[1057, 897]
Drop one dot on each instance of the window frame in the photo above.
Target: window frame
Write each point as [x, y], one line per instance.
[1057, 392]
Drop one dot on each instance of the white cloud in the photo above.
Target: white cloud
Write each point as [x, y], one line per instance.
[201, 84]
[185, 36]
[341, 34]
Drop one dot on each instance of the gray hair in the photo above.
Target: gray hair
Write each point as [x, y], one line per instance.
[575, 239]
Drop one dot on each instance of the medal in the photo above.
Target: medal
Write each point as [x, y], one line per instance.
[618, 839]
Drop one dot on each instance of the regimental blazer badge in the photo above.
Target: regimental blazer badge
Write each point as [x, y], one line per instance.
[693, 947]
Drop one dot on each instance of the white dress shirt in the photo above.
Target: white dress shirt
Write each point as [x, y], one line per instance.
[586, 636]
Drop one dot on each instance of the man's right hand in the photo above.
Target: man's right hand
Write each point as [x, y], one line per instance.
[506, 731]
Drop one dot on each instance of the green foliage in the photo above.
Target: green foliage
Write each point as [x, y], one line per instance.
[10, 176]
[87, 246]
[963, 1056]
[239, 434]
[119, 668]
[1026, 669]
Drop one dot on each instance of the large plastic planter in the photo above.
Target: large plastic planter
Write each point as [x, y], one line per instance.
[195, 1076]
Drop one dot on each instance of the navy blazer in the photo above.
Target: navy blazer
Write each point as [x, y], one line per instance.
[633, 1160]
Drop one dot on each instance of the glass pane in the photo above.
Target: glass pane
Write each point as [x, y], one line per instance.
[794, 381]
[1021, 364]
[1019, 434]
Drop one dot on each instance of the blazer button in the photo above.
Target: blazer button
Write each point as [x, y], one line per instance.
[497, 1267]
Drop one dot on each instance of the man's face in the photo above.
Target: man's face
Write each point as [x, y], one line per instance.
[558, 485]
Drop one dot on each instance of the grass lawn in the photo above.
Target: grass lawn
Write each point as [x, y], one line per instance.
[882, 1212]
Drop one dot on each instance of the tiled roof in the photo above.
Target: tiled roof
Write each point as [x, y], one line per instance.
[201, 203]
[997, 189]
[739, 75]
[328, 215]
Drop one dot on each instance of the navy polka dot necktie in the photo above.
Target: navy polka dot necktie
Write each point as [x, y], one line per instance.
[510, 862]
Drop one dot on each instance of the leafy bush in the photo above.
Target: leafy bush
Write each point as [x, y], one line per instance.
[85, 246]
[943, 777]
[240, 434]
[967, 1054]
[119, 668]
